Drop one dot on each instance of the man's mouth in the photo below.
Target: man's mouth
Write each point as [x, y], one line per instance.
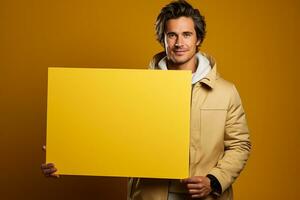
[179, 52]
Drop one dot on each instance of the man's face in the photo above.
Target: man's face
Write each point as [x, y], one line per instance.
[180, 40]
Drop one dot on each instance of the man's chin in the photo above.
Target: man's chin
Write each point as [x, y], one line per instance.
[179, 61]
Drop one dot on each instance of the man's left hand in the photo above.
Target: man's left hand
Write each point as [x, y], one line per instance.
[198, 186]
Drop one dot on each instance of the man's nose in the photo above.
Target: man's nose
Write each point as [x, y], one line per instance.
[179, 41]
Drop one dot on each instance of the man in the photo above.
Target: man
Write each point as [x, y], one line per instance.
[219, 139]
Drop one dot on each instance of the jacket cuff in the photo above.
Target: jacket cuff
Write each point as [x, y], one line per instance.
[215, 185]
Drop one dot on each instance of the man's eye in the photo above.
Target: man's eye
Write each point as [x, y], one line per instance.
[171, 35]
[186, 35]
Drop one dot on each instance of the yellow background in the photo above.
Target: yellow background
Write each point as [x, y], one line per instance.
[255, 44]
[119, 122]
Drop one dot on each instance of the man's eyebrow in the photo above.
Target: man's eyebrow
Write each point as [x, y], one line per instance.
[185, 32]
[171, 32]
[189, 32]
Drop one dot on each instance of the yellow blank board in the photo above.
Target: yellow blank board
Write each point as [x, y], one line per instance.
[118, 122]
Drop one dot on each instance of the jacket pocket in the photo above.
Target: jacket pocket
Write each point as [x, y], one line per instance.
[212, 128]
[207, 142]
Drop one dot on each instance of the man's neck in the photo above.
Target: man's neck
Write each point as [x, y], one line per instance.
[190, 65]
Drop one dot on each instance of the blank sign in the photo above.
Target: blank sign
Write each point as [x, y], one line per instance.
[119, 122]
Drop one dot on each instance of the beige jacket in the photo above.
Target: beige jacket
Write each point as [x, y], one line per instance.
[219, 138]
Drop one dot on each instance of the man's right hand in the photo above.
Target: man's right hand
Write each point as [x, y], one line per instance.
[49, 169]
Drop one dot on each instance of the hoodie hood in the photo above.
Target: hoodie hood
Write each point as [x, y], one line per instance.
[206, 73]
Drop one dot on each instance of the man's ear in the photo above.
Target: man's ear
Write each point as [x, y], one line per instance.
[198, 42]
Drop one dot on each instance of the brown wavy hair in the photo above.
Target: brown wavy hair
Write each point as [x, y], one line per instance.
[174, 10]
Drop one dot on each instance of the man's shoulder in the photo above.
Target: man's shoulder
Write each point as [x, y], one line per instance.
[156, 58]
[223, 87]
[223, 83]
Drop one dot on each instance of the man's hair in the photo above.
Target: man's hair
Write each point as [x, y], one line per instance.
[174, 10]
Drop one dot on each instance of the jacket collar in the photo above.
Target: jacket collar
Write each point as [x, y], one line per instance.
[209, 80]
[213, 75]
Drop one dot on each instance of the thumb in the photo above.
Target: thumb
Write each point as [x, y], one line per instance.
[44, 147]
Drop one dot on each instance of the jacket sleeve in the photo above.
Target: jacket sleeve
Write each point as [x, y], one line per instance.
[237, 144]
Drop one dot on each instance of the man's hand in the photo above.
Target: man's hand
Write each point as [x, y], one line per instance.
[49, 169]
[198, 186]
